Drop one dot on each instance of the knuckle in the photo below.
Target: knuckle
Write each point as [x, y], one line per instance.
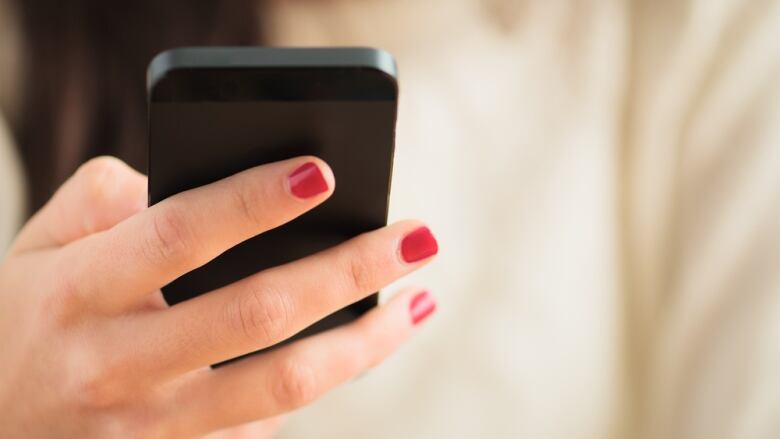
[99, 165]
[362, 269]
[245, 199]
[100, 180]
[61, 297]
[95, 393]
[56, 304]
[97, 386]
[98, 176]
[168, 240]
[263, 315]
[295, 384]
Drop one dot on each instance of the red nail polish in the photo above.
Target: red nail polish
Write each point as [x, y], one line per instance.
[421, 306]
[307, 181]
[418, 245]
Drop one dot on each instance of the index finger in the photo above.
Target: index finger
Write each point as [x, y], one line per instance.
[116, 268]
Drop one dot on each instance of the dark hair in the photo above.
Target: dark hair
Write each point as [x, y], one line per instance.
[85, 69]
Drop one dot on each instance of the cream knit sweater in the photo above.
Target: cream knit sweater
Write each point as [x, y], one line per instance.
[604, 178]
[11, 177]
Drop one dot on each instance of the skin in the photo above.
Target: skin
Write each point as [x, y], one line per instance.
[90, 349]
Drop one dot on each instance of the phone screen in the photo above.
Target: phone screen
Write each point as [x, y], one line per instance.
[199, 133]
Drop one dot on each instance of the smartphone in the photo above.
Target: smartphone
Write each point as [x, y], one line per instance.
[215, 111]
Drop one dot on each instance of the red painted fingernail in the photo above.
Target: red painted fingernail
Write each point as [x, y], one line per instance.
[307, 181]
[421, 306]
[418, 245]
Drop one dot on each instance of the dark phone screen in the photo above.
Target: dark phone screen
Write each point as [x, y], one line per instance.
[201, 140]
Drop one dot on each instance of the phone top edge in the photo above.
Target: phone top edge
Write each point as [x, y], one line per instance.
[280, 57]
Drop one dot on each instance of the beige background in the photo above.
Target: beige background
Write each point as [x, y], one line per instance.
[604, 178]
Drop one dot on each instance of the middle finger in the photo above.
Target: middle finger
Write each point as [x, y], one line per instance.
[272, 305]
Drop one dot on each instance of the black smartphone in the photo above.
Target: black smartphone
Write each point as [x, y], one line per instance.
[215, 111]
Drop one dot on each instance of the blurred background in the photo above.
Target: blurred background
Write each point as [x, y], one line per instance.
[603, 177]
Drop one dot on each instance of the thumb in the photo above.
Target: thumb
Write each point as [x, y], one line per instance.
[103, 192]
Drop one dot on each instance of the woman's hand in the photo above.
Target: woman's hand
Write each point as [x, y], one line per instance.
[90, 349]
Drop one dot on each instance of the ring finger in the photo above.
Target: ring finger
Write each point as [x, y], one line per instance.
[290, 377]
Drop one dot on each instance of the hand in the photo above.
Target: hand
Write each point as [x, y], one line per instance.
[90, 349]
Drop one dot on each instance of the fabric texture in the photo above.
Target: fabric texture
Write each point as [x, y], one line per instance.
[12, 199]
[603, 180]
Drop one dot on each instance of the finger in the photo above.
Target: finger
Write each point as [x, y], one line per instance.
[103, 192]
[189, 229]
[295, 375]
[272, 305]
[263, 429]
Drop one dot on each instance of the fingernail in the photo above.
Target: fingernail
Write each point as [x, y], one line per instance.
[307, 181]
[418, 245]
[421, 306]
